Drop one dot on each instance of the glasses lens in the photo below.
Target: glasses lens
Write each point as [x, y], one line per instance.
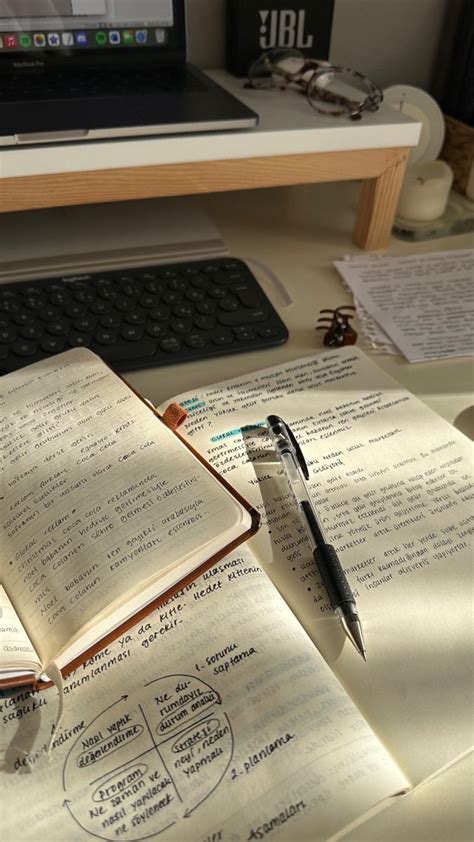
[274, 67]
[340, 91]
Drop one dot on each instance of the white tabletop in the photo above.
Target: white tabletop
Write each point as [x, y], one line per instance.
[296, 233]
[288, 126]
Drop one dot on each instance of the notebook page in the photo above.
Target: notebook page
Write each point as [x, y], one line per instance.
[16, 652]
[424, 302]
[98, 496]
[215, 719]
[393, 484]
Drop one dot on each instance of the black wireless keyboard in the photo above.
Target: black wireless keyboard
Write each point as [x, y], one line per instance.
[139, 318]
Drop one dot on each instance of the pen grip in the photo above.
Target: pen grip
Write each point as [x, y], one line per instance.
[333, 576]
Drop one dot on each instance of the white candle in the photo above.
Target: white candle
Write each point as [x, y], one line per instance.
[425, 191]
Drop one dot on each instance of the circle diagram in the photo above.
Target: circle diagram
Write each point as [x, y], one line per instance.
[142, 765]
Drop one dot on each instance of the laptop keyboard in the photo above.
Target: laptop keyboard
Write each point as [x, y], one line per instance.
[96, 82]
[139, 318]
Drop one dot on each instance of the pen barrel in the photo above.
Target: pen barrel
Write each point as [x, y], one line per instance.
[333, 576]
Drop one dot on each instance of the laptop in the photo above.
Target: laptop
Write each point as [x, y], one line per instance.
[78, 70]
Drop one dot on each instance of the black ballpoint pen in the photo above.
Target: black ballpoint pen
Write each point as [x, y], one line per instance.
[334, 579]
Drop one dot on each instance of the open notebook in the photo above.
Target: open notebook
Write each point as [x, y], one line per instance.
[104, 510]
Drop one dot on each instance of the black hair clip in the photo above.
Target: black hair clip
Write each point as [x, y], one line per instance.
[338, 330]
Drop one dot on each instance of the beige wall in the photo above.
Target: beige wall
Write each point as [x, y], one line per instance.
[392, 41]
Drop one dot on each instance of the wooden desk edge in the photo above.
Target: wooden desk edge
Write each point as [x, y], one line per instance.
[381, 169]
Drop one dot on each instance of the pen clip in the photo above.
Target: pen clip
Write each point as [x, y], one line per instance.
[298, 453]
[279, 427]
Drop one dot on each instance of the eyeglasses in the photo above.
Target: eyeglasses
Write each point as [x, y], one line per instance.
[331, 90]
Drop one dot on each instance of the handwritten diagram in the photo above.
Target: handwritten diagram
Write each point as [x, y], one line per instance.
[146, 763]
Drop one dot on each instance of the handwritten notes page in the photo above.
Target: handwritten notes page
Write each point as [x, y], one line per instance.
[17, 654]
[393, 484]
[424, 302]
[215, 719]
[98, 499]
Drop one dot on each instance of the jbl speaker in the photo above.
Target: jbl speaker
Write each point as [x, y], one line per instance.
[253, 28]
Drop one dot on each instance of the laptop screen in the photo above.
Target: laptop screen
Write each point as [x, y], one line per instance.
[38, 25]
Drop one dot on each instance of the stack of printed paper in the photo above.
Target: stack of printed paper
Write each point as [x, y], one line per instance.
[421, 305]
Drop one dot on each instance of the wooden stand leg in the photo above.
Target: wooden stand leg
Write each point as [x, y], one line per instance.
[378, 204]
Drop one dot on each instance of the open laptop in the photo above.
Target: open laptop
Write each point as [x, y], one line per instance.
[73, 70]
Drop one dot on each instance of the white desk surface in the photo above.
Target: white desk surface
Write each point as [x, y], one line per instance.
[297, 232]
[288, 126]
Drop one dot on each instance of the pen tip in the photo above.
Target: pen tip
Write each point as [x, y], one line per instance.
[353, 630]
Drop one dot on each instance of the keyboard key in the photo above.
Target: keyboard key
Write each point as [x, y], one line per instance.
[201, 281]
[171, 344]
[181, 325]
[75, 311]
[35, 331]
[216, 292]
[7, 335]
[155, 287]
[242, 317]
[60, 328]
[177, 284]
[34, 302]
[131, 290]
[222, 337]
[122, 304]
[242, 334]
[205, 322]
[132, 333]
[206, 307]
[59, 298]
[195, 340]
[100, 307]
[53, 344]
[24, 348]
[229, 303]
[50, 314]
[136, 317]
[229, 277]
[105, 337]
[86, 325]
[195, 295]
[9, 305]
[248, 297]
[268, 332]
[79, 340]
[85, 295]
[160, 314]
[183, 311]
[148, 301]
[24, 317]
[108, 294]
[111, 320]
[156, 329]
[171, 297]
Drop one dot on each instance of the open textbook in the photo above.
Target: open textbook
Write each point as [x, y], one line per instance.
[239, 711]
[103, 509]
